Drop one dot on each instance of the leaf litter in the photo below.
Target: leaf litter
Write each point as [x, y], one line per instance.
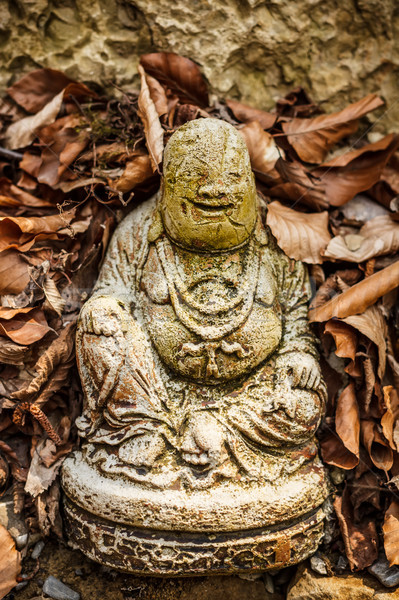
[79, 160]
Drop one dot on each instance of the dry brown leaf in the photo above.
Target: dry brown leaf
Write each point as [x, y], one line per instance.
[376, 445]
[10, 562]
[179, 74]
[345, 338]
[14, 272]
[34, 90]
[391, 533]
[137, 170]
[158, 95]
[360, 296]
[23, 325]
[152, 126]
[23, 132]
[61, 143]
[373, 325]
[23, 232]
[302, 236]
[53, 297]
[347, 420]
[52, 369]
[245, 113]
[360, 539]
[12, 195]
[377, 237]
[262, 148]
[299, 185]
[42, 472]
[356, 171]
[10, 353]
[390, 417]
[313, 138]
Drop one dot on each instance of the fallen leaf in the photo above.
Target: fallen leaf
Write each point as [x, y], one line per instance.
[344, 452]
[313, 138]
[36, 89]
[360, 539]
[22, 232]
[179, 74]
[137, 170]
[14, 272]
[52, 369]
[42, 473]
[390, 417]
[12, 195]
[152, 126]
[10, 562]
[360, 296]
[391, 533]
[23, 325]
[23, 132]
[376, 445]
[158, 95]
[246, 114]
[296, 104]
[53, 297]
[262, 148]
[10, 353]
[345, 176]
[302, 236]
[373, 325]
[377, 237]
[345, 338]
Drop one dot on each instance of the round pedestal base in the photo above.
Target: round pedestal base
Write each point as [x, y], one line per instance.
[172, 553]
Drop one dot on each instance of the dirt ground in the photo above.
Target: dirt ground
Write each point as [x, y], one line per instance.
[95, 582]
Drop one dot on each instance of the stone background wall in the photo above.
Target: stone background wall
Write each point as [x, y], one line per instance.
[253, 50]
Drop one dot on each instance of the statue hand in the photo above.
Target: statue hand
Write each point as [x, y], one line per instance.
[303, 369]
[103, 316]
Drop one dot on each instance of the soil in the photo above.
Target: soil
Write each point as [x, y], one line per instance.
[95, 582]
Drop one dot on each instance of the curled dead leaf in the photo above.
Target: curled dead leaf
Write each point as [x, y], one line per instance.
[302, 236]
[10, 562]
[377, 237]
[246, 114]
[373, 325]
[376, 445]
[390, 417]
[23, 325]
[179, 74]
[313, 138]
[391, 533]
[262, 148]
[360, 539]
[137, 170]
[360, 296]
[14, 272]
[152, 126]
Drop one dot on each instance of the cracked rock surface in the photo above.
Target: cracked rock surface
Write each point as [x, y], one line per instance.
[252, 50]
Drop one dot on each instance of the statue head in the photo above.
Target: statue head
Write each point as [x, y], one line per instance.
[208, 199]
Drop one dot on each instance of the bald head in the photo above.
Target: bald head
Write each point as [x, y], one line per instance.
[209, 198]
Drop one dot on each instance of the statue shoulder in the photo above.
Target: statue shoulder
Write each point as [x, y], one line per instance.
[138, 218]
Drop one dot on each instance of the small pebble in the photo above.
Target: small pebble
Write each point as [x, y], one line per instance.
[342, 563]
[37, 550]
[388, 576]
[318, 565]
[54, 588]
[79, 572]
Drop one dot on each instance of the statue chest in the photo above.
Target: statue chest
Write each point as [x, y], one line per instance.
[210, 322]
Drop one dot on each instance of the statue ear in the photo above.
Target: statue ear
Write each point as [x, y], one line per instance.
[156, 228]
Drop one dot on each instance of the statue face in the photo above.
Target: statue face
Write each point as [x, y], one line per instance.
[208, 199]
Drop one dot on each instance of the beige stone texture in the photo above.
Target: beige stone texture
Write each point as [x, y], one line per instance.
[309, 586]
[251, 50]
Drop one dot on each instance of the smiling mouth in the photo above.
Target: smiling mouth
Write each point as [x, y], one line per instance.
[214, 204]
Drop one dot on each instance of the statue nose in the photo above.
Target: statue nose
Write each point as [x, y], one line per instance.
[212, 190]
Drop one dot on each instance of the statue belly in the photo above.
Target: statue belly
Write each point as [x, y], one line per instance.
[212, 361]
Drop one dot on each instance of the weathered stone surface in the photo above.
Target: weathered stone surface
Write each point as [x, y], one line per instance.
[309, 586]
[252, 50]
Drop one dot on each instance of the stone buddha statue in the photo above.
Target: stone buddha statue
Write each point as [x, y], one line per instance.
[202, 386]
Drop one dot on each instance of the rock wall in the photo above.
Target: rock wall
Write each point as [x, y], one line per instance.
[252, 50]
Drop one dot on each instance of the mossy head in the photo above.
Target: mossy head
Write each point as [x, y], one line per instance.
[208, 199]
